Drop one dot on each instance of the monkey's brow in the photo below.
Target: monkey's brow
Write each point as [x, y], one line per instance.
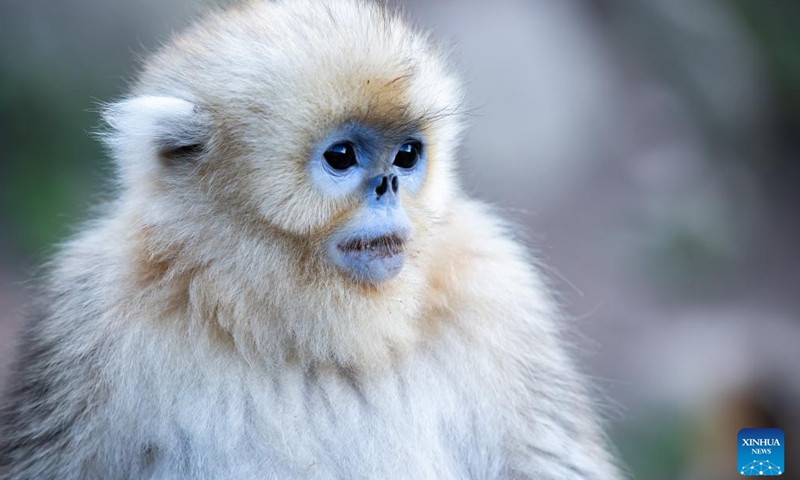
[403, 123]
[448, 112]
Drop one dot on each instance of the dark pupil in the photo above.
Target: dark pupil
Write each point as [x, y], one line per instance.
[340, 156]
[408, 155]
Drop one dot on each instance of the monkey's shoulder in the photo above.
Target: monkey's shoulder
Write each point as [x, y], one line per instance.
[485, 272]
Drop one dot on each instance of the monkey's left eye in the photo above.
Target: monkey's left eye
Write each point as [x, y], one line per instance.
[340, 156]
[408, 155]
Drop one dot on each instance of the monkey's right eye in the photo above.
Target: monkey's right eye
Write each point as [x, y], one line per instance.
[340, 156]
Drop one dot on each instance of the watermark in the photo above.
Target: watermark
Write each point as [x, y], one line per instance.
[760, 451]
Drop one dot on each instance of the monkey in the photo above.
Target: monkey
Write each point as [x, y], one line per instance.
[290, 282]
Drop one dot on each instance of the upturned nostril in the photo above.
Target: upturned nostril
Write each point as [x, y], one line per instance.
[395, 184]
[381, 189]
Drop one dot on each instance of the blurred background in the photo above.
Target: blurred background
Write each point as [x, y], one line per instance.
[649, 152]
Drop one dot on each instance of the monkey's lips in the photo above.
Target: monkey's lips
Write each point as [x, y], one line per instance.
[372, 260]
[384, 246]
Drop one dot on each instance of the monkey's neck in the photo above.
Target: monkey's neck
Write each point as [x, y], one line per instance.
[265, 299]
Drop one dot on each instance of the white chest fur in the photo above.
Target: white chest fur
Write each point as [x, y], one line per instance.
[429, 416]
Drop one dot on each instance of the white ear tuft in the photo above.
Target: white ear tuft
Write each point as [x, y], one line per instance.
[153, 129]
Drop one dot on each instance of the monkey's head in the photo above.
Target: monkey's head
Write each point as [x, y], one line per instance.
[329, 124]
[287, 176]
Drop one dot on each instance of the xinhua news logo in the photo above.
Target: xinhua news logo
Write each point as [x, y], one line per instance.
[760, 451]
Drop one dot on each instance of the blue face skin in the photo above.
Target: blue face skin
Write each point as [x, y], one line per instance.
[378, 168]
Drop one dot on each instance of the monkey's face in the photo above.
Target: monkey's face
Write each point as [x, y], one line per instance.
[362, 179]
[377, 170]
[360, 174]
[357, 170]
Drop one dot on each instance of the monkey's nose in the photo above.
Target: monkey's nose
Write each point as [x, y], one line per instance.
[387, 182]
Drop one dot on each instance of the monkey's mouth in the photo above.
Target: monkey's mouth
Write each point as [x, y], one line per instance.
[381, 247]
[370, 259]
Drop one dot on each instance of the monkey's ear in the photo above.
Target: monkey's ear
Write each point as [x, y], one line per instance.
[173, 130]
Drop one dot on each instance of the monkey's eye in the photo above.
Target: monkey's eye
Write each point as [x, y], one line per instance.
[408, 155]
[340, 156]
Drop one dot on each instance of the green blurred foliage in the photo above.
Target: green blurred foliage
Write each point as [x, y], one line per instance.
[658, 445]
[49, 156]
[774, 25]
